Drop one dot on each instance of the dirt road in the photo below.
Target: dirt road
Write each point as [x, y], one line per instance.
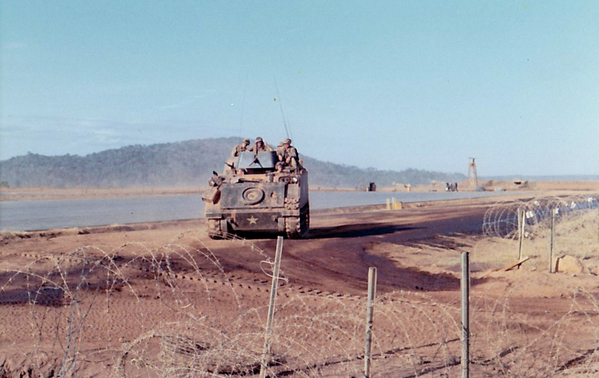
[335, 257]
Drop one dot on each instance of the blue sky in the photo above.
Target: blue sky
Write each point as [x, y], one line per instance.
[386, 84]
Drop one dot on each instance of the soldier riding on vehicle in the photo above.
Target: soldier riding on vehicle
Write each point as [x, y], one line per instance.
[259, 145]
[240, 148]
[237, 150]
[289, 155]
[260, 191]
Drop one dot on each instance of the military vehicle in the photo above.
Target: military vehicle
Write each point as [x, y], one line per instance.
[258, 194]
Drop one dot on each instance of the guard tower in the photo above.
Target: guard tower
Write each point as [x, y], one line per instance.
[472, 177]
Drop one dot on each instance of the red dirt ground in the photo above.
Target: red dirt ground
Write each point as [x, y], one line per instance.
[162, 299]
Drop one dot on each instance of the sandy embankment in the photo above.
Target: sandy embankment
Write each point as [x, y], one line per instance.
[32, 194]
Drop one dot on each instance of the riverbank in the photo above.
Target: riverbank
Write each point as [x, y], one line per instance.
[35, 194]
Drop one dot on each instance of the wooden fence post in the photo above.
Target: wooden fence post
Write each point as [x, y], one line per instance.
[465, 286]
[369, 320]
[271, 307]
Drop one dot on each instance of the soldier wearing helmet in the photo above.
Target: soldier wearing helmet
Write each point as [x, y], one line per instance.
[290, 156]
[280, 151]
[240, 147]
[260, 145]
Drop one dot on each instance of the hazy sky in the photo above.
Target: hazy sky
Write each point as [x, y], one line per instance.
[386, 84]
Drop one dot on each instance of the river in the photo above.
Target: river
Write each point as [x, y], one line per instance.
[41, 215]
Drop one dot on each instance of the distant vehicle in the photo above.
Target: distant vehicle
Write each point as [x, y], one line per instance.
[258, 194]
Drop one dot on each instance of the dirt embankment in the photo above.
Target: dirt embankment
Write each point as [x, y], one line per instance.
[32, 194]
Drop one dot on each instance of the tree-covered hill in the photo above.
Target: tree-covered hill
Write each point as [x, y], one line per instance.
[188, 163]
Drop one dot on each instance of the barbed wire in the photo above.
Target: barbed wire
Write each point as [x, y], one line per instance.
[178, 310]
[501, 220]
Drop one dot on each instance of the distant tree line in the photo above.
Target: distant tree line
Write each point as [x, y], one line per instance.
[188, 163]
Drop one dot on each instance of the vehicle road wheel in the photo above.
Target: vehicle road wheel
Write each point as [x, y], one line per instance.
[305, 220]
[215, 228]
[292, 227]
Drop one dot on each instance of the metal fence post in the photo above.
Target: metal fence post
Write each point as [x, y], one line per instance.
[551, 238]
[465, 286]
[369, 320]
[271, 307]
[521, 221]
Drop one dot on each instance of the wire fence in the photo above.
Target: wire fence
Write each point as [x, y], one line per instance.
[177, 311]
[501, 220]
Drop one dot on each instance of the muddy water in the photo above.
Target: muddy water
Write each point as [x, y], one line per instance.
[40, 215]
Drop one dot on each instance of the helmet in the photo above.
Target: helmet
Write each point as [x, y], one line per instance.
[259, 139]
[286, 141]
[246, 140]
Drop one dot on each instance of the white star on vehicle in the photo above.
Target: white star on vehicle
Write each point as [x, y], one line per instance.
[252, 220]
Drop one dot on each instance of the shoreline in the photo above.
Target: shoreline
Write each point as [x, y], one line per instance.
[440, 204]
[443, 205]
[41, 194]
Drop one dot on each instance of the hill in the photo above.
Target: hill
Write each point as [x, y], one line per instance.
[188, 163]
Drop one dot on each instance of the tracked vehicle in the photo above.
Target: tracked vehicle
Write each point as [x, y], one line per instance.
[258, 194]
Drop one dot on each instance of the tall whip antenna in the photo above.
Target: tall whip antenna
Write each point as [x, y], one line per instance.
[245, 87]
[287, 130]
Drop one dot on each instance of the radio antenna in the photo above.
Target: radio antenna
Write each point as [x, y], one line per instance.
[245, 87]
[287, 130]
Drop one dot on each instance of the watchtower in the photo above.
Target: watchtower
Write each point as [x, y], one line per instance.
[472, 177]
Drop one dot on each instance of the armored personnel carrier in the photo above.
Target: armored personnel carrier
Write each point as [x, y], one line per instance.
[258, 194]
